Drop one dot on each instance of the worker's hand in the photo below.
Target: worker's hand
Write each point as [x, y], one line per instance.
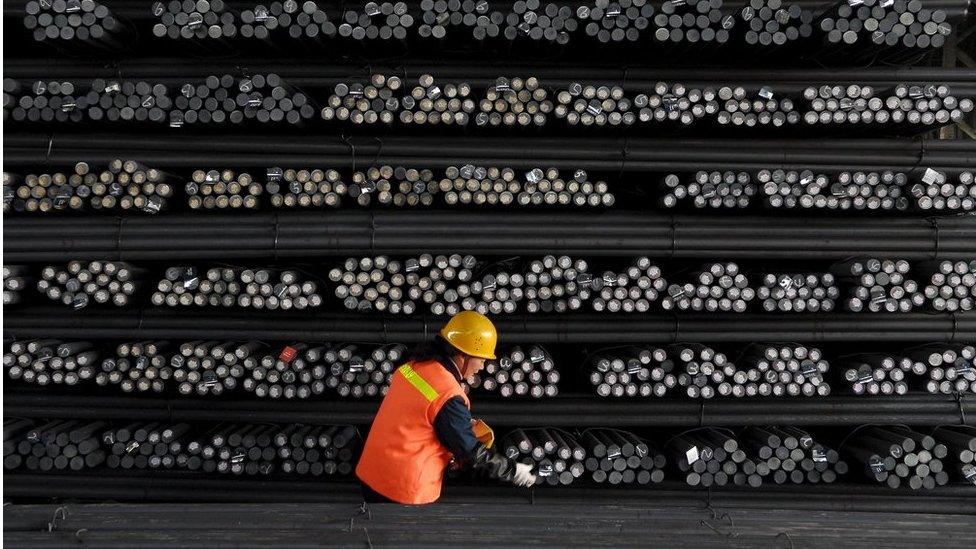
[523, 475]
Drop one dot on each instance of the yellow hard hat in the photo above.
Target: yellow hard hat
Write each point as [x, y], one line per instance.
[472, 334]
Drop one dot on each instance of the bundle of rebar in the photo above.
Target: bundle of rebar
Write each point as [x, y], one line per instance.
[960, 440]
[377, 20]
[798, 292]
[556, 456]
[439, 15]
[75, 22]
[50, 361]
[470, 184]
[265, 98]
[138, 367]
[430, 102]
[924, 104]
[290, 188]
[16, 279]
[361, 371]
[786, 369]
[901, 24]
[519, 372]
[536, 21]
[676, 102]
[692, 21]
[238, 449]
[951, 284]
[80, 283]
[621, 457]
[52, 445]
[764, 109]
[212, 367]
[716, 287]
[222, 189]
[209, 20]
[514, 101]
[708, 457]
[378, 101]
[636, 371]
[630, 291]
[592, 105]
[897, 455]
[304, 20]
[775, 23]
[236, 287]
[50, 102]
[125, 185]
[879, 285]
[875, 374]
[947, 369]
[845, 191]
[615, 21]
[937, 192]
[115, 100]
[790, 455]
[711, 189]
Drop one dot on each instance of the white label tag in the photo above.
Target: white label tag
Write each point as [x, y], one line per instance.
[692, 455]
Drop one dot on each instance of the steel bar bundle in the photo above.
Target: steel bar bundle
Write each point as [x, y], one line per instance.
[711, 190]
[798, 292]
[234, 448]
[193, 20]
[787, 369]
[692, 21]
[790, 455]
[594, 105]
[437, 103]
[470, 184]
[555, 455]
[211, 367]
[775, 23]
[53, 445]
[536, 21]
[305, 21]
[936, 192]
[50, 102]
[632, 290]
[845, 191]
[879, 285]
[115, 100]
[902, 24]
[711, 457]
[444, 283]
[675, 102]
[610, 21]
[222, 189]
[75, 22]
[289, 188]
[638, 371]
[621, 457]
[236, 287]
[896, 455]
[878, 374]
[950, 369]
[125, 185]
[514, 101]
[414, 186]
[701, 370]
[265, 98]
[552, 284]
[716, 287]
[50, 361]
[764, 109]
[377, 101]
[925, 104]
[377, 20]
[519, 371]
[951, 284]
[15, 280]
[137, 367]
[438, 16]
[83, 283]
[960, 440]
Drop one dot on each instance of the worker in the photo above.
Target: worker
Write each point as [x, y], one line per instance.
[425, 422]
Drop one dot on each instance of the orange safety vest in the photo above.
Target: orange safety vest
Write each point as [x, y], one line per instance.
[403, 459]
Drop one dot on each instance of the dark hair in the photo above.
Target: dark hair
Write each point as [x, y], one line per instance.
[435, 348]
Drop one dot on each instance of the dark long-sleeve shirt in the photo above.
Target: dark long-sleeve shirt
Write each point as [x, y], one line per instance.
[453, 422]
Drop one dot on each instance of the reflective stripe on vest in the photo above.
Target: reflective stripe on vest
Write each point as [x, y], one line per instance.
[418, 382]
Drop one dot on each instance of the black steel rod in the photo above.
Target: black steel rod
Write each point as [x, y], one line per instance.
[563, 410]
[618, 233]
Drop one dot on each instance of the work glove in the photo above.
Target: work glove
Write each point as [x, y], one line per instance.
[523, 475]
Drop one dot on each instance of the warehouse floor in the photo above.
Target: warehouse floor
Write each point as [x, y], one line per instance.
[470, 524]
